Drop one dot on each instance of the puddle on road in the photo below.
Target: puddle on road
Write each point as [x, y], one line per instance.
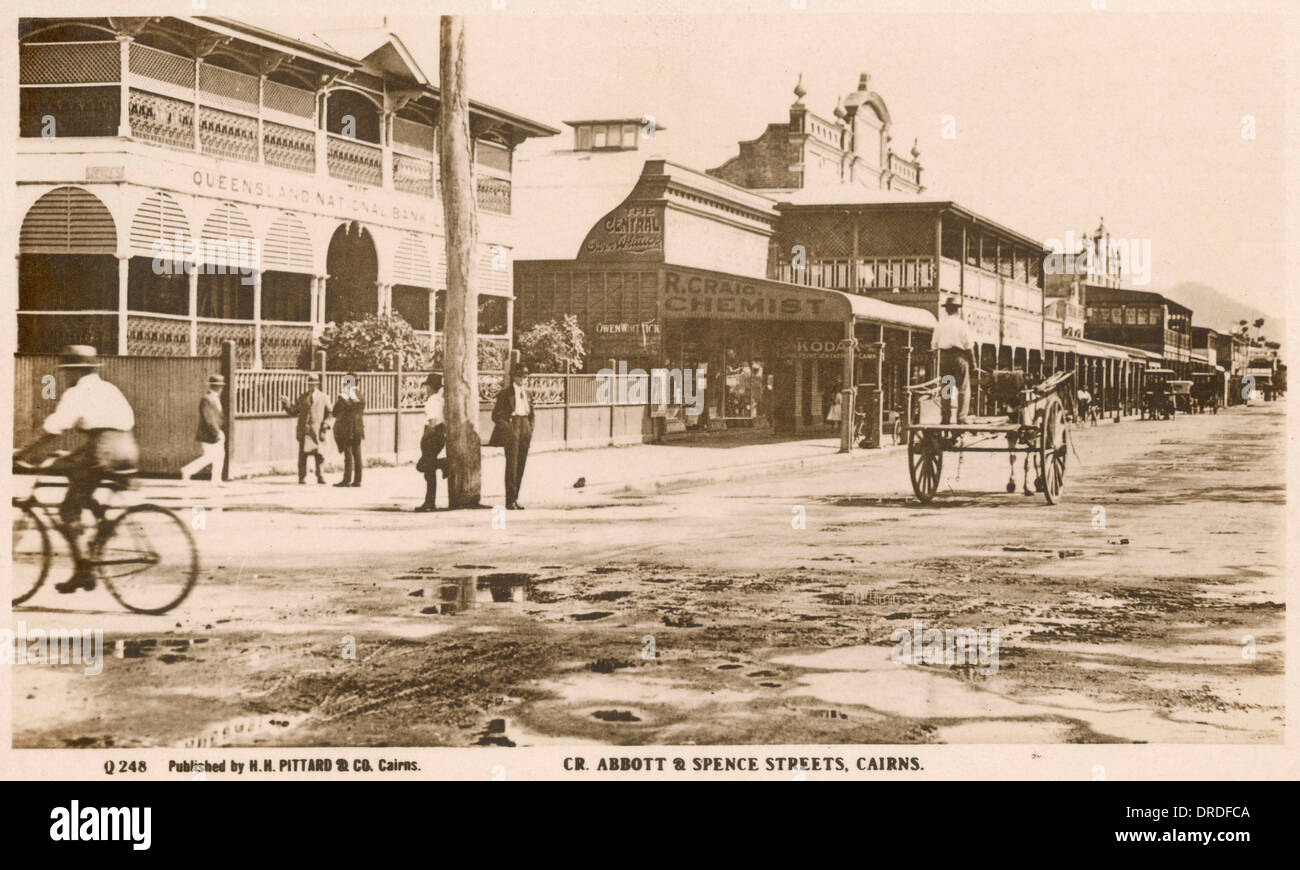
[866, 677]
[242, 730]
[459, 594]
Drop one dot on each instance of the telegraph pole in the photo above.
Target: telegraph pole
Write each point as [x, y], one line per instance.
[460, 213]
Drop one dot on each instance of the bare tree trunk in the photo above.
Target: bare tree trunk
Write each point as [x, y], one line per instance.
[459, 208]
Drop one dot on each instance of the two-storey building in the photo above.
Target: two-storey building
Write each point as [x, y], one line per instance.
[1144, 320]
[183, 181]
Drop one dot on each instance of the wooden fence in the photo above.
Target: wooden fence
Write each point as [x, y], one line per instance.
[164, 392]
[571, 410]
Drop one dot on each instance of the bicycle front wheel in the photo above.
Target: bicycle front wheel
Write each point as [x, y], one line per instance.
[147, 559]
[32, 554]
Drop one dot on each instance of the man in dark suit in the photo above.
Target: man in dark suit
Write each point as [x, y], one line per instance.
[350, 429]
[512, 418]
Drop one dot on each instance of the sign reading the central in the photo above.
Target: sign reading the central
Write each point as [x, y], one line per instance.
[627, 231]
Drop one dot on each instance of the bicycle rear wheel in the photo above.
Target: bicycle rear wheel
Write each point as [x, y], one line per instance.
[32, 554]
[147, 559]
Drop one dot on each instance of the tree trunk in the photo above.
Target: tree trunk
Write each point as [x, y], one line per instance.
[460, 212]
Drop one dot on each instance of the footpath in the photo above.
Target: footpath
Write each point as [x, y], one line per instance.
[551, 478]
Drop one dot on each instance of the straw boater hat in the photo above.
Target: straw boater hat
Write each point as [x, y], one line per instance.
[313, 378]
[216, 380]
[78, 356]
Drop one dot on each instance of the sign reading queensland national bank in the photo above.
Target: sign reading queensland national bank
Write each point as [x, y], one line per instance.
[353, 201]
[688, 293]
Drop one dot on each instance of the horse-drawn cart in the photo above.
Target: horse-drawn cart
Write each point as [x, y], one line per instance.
[1035, 426]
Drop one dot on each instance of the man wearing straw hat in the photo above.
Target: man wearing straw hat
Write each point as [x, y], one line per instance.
[956, 358]
[91, 405]
[313, 412]
[211, 433]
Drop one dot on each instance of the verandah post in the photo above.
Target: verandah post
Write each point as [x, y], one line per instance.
[228, 405]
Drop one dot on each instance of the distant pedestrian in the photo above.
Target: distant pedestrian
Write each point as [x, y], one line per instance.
[211, 433]
[312, 408]
[350, 429]
[512, 416]
[432, 442]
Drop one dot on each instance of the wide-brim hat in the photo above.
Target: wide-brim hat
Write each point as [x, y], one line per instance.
[952, 303]
[79, 356]
[521, 369]
[216, 380]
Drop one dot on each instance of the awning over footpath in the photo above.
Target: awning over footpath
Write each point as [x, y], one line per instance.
[1099, 349]
[867, 308]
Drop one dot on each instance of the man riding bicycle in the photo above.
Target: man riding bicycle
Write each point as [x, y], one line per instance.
[91, 405]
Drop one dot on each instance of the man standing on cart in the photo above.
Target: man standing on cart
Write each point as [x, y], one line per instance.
[956, 359]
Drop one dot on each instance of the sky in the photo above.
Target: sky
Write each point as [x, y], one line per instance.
[1060, 118]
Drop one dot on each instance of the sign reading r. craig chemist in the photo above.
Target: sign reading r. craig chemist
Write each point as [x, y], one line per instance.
[690, 294]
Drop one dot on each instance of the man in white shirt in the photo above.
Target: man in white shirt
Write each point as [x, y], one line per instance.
[512, 416]
[956, 358]
[95, 407]
[432, 442]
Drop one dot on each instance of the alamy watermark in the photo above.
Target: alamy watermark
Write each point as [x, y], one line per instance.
[1090, 255]
[55, 646]
[657, 387]
[182, 256]
[951, 646]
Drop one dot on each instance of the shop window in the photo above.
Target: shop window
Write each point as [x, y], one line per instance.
[67, 282]
[492, 315]
[412, 303]
[286, 296]
[1131, 316]
[584, 139]
[226, 297]
[161, 290]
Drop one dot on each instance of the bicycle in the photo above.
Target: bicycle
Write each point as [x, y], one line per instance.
[150, 544]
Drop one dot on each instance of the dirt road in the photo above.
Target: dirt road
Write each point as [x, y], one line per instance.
[1148, 607]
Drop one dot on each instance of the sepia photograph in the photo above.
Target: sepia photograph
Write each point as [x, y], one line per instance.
[788, 390]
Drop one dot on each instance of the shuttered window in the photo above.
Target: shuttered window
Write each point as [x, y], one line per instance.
[414, 265]
[68, 220]
[160, 219]
[288, 247]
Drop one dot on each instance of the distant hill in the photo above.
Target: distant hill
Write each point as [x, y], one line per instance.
[1219, 311]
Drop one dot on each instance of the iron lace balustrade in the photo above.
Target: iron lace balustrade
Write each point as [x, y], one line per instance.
[354, 161]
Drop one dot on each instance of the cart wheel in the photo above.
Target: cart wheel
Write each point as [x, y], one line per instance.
[1053, 445]
[924, 462]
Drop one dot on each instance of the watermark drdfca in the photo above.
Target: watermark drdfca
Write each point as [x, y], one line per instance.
[182, 256]
[1090, 256]
[952, 646]
[55, 646]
